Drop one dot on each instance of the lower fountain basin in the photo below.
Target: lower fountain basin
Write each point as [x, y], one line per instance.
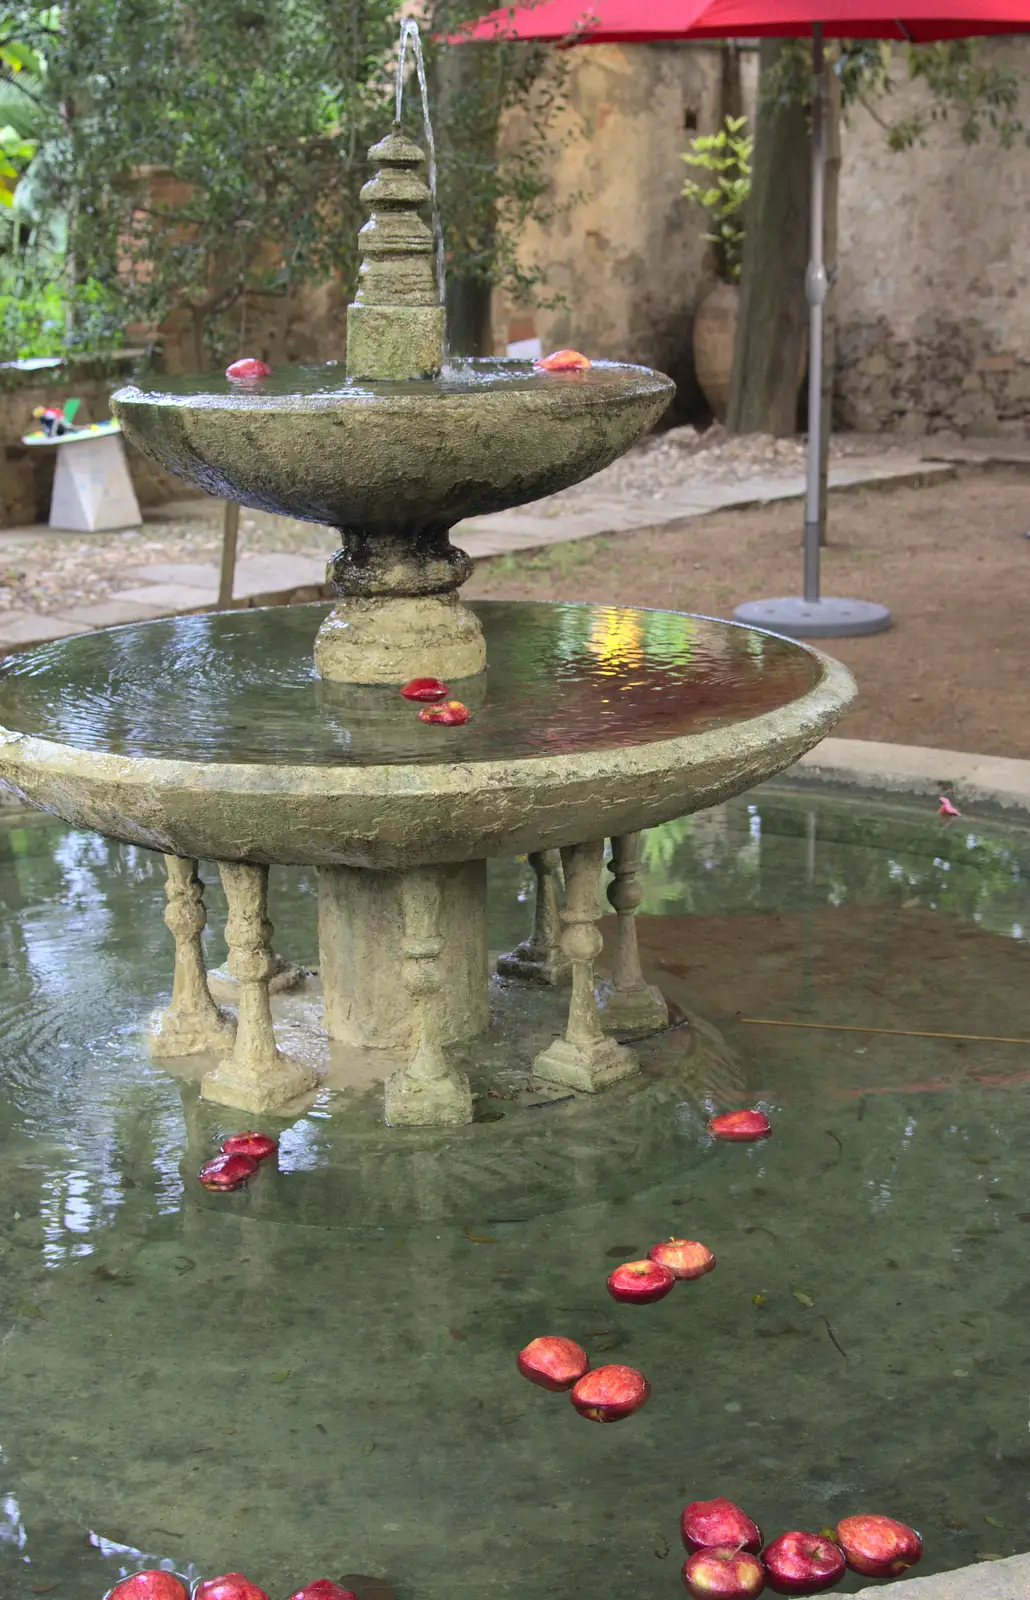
[212, 736]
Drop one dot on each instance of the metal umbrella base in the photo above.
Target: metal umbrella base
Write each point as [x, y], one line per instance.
[827, 618]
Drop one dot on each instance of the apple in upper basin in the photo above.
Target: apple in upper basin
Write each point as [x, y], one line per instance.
[640, 1282]
[878, 1546]
[230, 1586]
[684, 1258]
[324, 1589]
[150, 1585]
[610, 1393]
[723, 1573]
[740, 1127]
[425, 689]
[451, 713]
[552, 1362]
[227, 1172]
[709, 1523]
[248, 367]
[258, 1146]
[802, 1563]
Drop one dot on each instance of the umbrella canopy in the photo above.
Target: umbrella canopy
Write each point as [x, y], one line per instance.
[643, 21]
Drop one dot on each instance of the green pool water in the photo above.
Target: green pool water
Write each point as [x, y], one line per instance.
[276, 1383]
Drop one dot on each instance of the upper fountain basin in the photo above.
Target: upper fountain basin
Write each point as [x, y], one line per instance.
[392, 457]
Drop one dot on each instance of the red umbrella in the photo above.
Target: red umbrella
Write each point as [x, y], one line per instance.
[641, 21]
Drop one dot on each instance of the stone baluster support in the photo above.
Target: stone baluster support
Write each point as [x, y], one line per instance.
[427, 1092]
[583, 1059]
[193, 1023]
[540, 958]
[257, 1076]
[627, 1001]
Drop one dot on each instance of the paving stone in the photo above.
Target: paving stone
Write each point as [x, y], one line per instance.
[170, 597]
[272, 574]
[109, 613]
[27, 627]
[195, 574]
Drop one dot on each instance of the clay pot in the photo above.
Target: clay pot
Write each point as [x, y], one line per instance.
[715, 330]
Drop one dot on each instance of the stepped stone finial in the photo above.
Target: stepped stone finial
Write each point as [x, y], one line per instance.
[395, 327]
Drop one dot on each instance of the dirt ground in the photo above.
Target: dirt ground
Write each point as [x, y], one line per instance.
[952, 562]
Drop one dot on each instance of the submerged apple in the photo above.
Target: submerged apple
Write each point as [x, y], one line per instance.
[706, 1524]
[878, 1546]
[552, 1362]
[610, 1393]
[640, 1282]
[563, 361]
[324, 1589]
[428, 689]
[451, 714]
[740, 1126]
[684, 1258]
[149, 1586]
[230, 1586]
[227, 1172]
[802, 1563]
[723, 1573]
[258, 1146]
[248, 367]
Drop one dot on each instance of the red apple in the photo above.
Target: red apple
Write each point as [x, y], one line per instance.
[258, 1146]
[684, 1258]
[741, 1126]
[802, 1563]
[564, 361]
[723, 1573]
[149, 1586]
[706, 1524]
[451, 714]
[227, 1172]
[610, 1393]
[552, 1362]
[249, 367]
[425, 689]
[640, 1282]
[878, 1546]
[230, 1586]
[323, 1589]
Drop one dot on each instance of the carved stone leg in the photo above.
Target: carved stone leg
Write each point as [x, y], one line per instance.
[628, 1002]
[540, 958]
[256, 1077]
[584, 1058]
[427, 1092]
[193, 1022]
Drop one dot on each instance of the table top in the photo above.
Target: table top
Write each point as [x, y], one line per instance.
[95, 430]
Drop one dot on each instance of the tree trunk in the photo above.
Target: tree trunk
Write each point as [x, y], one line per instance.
[773, 310]
[830, 225]
[469, 316]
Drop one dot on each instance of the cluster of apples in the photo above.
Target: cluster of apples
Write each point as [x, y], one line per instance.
[238, 1159]
[668, 1263]
[157, 1585]
[727, 1560]
[435, 705]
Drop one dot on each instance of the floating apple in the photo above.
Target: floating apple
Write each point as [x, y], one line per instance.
[706, 1524]
[258, 1146]
[324, 1589]
[610, 1393]
[149, 1586]
[724, 1572]
[564, 361]
[230, 1586]
[684, 1258]
[741, 1126]
[227, 1172]
[428, 689]
[450, 714]
[640, 1282]
[878, 1546]
[552, 1362]
[802, 1563]
[249, 367]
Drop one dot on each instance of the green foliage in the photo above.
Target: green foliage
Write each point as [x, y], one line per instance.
[726, 158]
[34, 313]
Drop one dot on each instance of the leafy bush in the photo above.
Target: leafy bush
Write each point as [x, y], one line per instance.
[726, 157]
[34, 313]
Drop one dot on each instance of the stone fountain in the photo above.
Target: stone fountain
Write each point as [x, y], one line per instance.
[259, 737]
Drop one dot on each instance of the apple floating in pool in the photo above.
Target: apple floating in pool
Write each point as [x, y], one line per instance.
[248, 367]
[149, 1586]
[740, 1127]
[706, 1524]
[802, 1563]
[452, 713]
[610, 1393]
[324, 1589]
[227, 1172]
[723, 1572]
[230, 1586]
[552, 1362]
[640, 1282]
[258, 1146]
[878, 1546]
[684, 1258]
[563, 361]
[428, 689]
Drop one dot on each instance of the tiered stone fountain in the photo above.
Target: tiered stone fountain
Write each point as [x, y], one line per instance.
[215, 738]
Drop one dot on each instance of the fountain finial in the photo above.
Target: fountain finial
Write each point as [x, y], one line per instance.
[395, 327]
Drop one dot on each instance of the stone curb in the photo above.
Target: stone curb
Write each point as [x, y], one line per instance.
[1008, 1579]
[995, 782]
